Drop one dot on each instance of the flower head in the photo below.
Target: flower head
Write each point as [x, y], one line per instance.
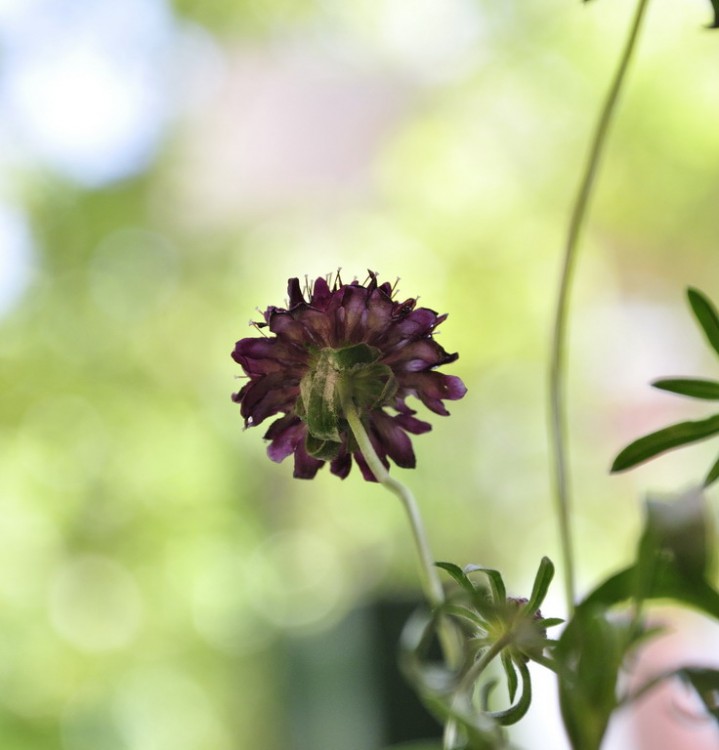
[348, 341]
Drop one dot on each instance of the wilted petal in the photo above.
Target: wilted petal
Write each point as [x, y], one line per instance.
[285, 434]
[261, 356]
[398, 334]
[319, 328]
[412, 424]
[417, 356]
[305, 465]
[395, 440]
[352, 315]
[432, 388]
[266, 396]
[341, 465]
[294, 292]
[365, 469]
[321, 294]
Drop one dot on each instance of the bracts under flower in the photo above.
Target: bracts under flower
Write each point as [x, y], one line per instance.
[333, 343]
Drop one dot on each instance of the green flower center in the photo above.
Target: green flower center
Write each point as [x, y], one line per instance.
[352, 374]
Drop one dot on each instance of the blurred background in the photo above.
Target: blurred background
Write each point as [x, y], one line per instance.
[164, 168]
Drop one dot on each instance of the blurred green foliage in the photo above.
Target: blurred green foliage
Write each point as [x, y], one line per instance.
[153, 560]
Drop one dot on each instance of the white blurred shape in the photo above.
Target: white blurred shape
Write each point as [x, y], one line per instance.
[433, 37]
[83, 83]
[286, 128]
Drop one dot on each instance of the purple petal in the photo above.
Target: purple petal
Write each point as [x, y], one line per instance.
[352, 315]
[285, 326]
[270, 394]
[417, 324]
[261, 356]
[318, 327]
[285, 433]
[305, 465]
[366, 471]
[432, 387]
[412, 424]
[394, 439]
[417, 356]
[379, 316]
[294, 292]
[341, 465]
[321, 294]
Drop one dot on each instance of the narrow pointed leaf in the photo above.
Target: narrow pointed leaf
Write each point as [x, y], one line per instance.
[705, 312]
[499, 592]
[667, 585]
[463, 613]
[513, 714]
[693, 387]
[658, 442]
[459, 576]
[550, 622]
[511, 673]
[544, 576]
[713, 474]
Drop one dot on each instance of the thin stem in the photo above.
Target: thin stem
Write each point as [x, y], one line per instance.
[430, 580]
[431, 584]
[557, 425]
[466, 686]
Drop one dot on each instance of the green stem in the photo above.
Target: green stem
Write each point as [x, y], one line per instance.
[430, 579]
[558, 428]
[466, 687]
[432, 586]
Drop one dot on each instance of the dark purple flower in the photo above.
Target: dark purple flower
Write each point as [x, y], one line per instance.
[350, 338]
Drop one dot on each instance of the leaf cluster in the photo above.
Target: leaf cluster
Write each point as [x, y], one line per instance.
[491, 626]
[673, 563]
[682, 433]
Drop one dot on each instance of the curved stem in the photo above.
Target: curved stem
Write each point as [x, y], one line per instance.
[558, 428]
[431, 584]
[430, 579]
[466, 686]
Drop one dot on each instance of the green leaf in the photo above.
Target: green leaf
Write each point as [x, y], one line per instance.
[372, 385]
[463, 613]
[681, 528]
[436, 683]
[658, 442]
[667, 584]
[516, 712]
[550, 622]
[715, 6]
[544, 576]
[713, 474]
[325, 450]
[320, 405]
[693, 387]
[589, 656]
[357, 354]
[459, 576]
[511, 674]
[673, 560]
[703, 309]
[499, 591]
